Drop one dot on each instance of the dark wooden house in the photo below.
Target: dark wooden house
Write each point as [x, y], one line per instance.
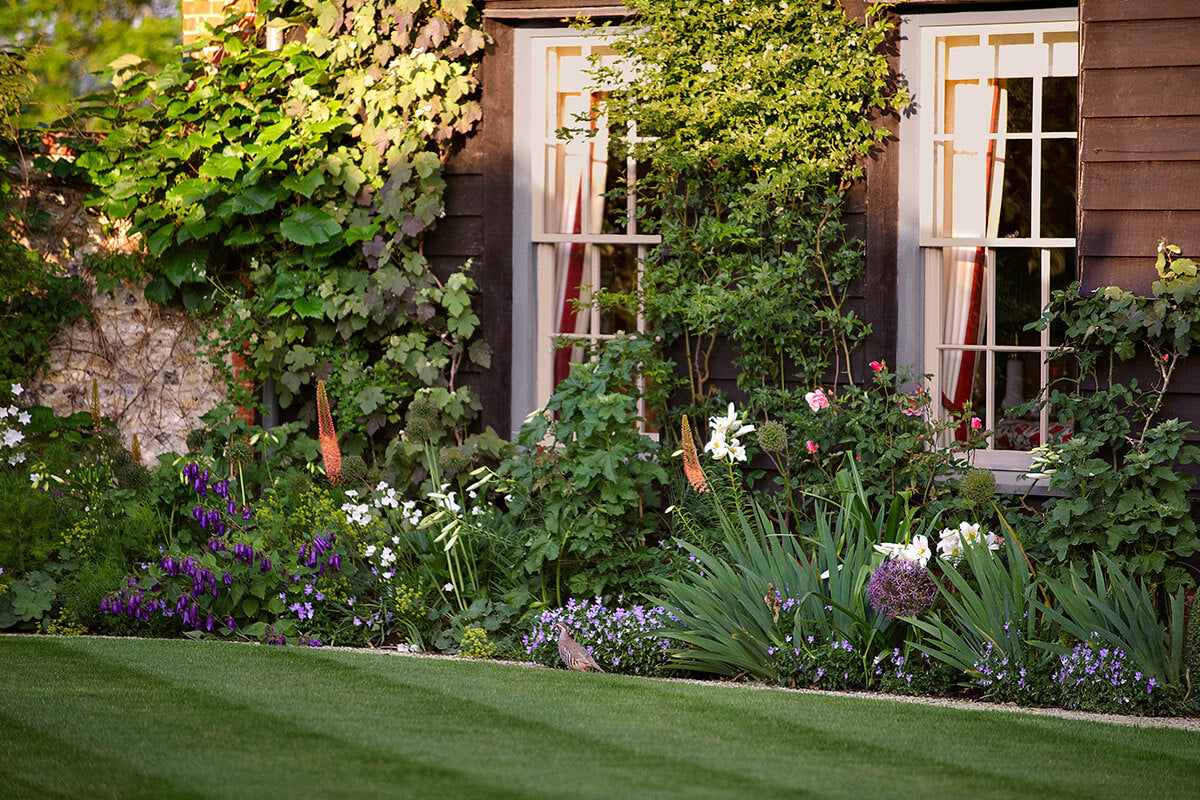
[1047, 142]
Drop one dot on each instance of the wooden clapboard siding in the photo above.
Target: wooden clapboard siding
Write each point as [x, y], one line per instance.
[1139, 146]
[1139, 151]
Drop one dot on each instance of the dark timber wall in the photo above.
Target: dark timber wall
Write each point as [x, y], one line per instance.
[1139, 137]
[1139, 150]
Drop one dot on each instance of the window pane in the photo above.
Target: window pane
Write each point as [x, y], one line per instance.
[1016, 382]
[1058, 188]
[1018, 295]
[1062, 275]
[1060, 104]
[616, 197]
[962, 380]
[1019, 93]
[1017, 166]
[618, 273]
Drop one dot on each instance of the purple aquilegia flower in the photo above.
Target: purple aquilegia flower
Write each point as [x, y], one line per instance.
[901, 588]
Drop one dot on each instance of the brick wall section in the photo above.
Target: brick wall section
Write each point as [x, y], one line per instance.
[198, 13]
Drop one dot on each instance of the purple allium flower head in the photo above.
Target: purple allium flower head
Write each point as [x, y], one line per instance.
[901, 588]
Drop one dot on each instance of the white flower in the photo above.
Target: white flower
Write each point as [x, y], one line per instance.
[17, 389]
[34, 477]
[708, 66]
[382, 486]
[890, 549]
[351, 493]
[717, 447]
[449, 587]
[370, 551]
[950, 544]
[23, 418]
[917, 550]
[16, 458]
[3, 412]
[13, 437]
[736, 451]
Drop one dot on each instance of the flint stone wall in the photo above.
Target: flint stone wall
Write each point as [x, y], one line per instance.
[143, 357]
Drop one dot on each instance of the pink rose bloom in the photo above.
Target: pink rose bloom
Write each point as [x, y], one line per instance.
[875, 365]
[816, 399]
[810, 446]
[976, 423]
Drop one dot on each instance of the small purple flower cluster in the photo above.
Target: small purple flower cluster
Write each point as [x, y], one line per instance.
[199, 603]
[1095, 677]
[831, 664]
[624, 640]
[1002, 676]
[914, 673]
[901, 588]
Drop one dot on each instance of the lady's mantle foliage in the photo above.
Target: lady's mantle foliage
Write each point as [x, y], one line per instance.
[290, 190]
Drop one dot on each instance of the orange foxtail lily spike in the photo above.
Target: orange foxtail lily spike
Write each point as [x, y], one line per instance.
[330, 453]
[691, 461]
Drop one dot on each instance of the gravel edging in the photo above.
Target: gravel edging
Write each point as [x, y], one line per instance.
[1179, 723]
[1129, 720]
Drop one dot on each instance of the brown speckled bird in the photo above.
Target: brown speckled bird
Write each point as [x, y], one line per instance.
[573, 654]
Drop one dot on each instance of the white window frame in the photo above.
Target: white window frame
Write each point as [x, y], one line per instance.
[919, 249]
[533, 256]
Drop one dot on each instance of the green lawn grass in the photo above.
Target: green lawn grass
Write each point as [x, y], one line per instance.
[96, 718]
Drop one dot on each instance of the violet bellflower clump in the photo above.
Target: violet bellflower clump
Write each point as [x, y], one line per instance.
[901, 588]
[621, 639]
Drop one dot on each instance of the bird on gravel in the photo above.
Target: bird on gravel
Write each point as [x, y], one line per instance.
[573, 654]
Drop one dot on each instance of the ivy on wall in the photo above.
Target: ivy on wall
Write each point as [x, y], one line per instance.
[284, 194]
[754, 119]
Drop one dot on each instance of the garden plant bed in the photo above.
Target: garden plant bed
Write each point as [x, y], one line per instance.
[103, 717]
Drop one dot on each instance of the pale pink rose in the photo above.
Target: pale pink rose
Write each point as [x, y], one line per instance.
[976, 423]
[816, 399]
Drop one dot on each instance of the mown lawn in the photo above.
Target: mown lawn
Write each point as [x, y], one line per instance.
[139, 718]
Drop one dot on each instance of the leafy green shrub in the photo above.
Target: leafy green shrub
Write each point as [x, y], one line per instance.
[586, 481]
[1123, 471]
[989, 621]
[309, 173]
[1119, 612]
[747, 165]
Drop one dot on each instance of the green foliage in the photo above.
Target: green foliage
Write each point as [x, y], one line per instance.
[1123, 471]
[777, 611]
[36, 301]
[66, 45]
[886, 426]
[1120, 611]
[586, 480]
[752, 120]
[991, 615]
[289, 190]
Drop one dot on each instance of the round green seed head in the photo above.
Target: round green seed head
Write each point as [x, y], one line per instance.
[354, 469]
[417, 431]
[239, 453]
[300, 483]
[978, 485]
[196, 440]
[452, 461]
[772, 436]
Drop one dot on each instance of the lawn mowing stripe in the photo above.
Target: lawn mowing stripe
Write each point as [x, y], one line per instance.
[211, 744]
[486, 738]
[875, 764]
[29, 756]
[488, 730]
[1040, 737]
